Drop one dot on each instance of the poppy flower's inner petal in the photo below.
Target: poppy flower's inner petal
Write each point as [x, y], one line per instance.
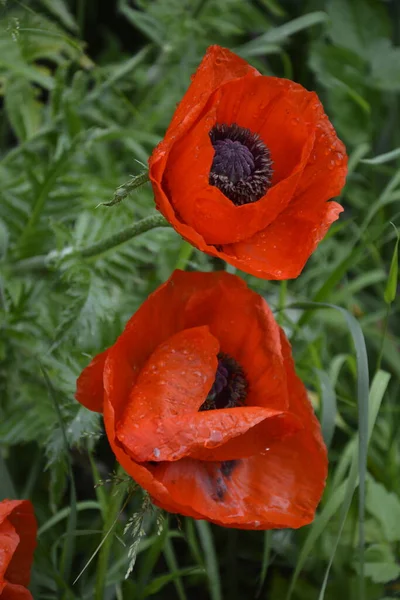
[203, 434]
[176, 378]
[22, 519]
[276, 426]
[158, 318]
[280, 487]
[282, 249]
[142, 474]
[248, 332]
[89, 386]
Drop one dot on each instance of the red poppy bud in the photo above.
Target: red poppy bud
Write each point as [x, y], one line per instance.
[17, 544]
[246, 167]
[203, 408]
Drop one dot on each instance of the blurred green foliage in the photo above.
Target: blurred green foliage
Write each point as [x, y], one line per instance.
[87, 91]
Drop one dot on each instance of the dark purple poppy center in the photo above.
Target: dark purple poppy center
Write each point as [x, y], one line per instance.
[230, 385]
[242, 166]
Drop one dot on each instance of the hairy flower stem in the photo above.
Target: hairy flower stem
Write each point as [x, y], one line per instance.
[122, 236]
[126, 188]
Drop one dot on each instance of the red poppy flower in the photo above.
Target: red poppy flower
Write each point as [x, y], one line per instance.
[17, 544]
[246, 167]
[203, 408]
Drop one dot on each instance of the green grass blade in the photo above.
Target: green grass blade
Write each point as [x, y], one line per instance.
[210, 559]
[265, 561]
[172, 563]
[328, 407]
[382, 158]
[362, 403]
[68, 550]
[377, 391]
[342, 493]
[391, 286]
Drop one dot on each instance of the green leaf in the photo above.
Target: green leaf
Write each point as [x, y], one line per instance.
[147, 24]
[3, 238]
[385, 66]
[385, 507]
[391, 286]
[24, 111]
[380, 564]
[357, 24]
[61, 11]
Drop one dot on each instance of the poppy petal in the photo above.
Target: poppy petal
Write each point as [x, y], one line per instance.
[118, 380]
[257, 466]
[218, 66]
[177, 377]
[9, 540]
[20, 515]
[277, 488]
[310, 166]
[161, 420]
[247, 331]
[282, 249]
[205, 435]
[89, 386]
[203, 206]
[15, 592]
[325, 173]
[159, 318]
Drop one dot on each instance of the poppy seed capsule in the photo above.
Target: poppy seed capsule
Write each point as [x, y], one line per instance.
[242, 166]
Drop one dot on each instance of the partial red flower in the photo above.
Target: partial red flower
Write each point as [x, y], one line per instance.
[203, 408]
[246, 167]
[17, 544]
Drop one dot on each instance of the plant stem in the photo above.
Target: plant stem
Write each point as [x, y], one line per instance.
[123, 236]
[43, 262]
